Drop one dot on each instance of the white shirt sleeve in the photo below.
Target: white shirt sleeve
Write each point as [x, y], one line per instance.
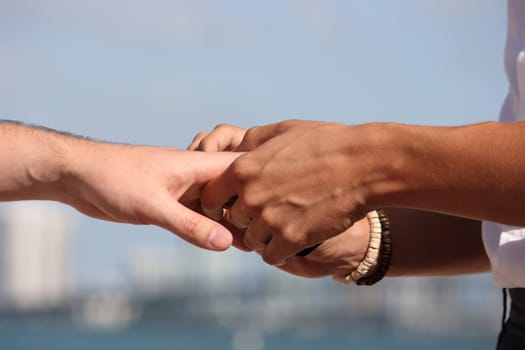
[505, 246]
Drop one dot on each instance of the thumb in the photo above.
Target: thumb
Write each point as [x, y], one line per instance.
[196, 228]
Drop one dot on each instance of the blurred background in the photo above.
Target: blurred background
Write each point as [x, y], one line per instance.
[157, 72]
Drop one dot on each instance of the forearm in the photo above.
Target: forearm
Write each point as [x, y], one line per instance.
[429, 244]
[472, 171]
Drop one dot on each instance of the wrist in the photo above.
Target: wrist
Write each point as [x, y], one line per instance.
[379, 268]
[398, 160]
[380, 152]
[46, 163]
[83, 164]
[57, 163]
[376, 261]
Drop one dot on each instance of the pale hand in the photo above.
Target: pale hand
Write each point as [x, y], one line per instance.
[147, 185]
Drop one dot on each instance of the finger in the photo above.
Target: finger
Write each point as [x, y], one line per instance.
[195, 228]
[196, 141]
[255, 238]
[217, 193]
[224, 137]
[238, 240]
[237, 215]
[303, 267]
[279, 251]
[256, 136]
[238, 235]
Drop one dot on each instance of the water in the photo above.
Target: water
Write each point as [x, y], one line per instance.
[160, 336]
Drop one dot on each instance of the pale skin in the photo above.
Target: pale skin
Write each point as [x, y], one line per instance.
[444, 173]
[122, 183]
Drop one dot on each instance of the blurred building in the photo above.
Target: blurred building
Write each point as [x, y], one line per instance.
[238, 290]
[184, 270]
[35, 256]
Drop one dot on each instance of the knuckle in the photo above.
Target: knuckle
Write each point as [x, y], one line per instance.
[251, 200]
[273, 219]
[250, 137]
[242, 205]
[251, 132]
[243, 169]
[288, 124]
[191, 225]
[267, 219]
[208, 144]
[289, 236]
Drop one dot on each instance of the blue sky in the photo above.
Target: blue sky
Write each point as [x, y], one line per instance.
[157, 72]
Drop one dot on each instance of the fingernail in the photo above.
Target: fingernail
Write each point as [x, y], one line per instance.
[219, 239]
[282, 263]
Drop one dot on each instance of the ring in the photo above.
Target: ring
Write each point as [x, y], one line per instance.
[226, 212]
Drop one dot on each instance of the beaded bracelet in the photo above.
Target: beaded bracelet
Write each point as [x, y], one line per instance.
[385, 253]
[372, 253]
